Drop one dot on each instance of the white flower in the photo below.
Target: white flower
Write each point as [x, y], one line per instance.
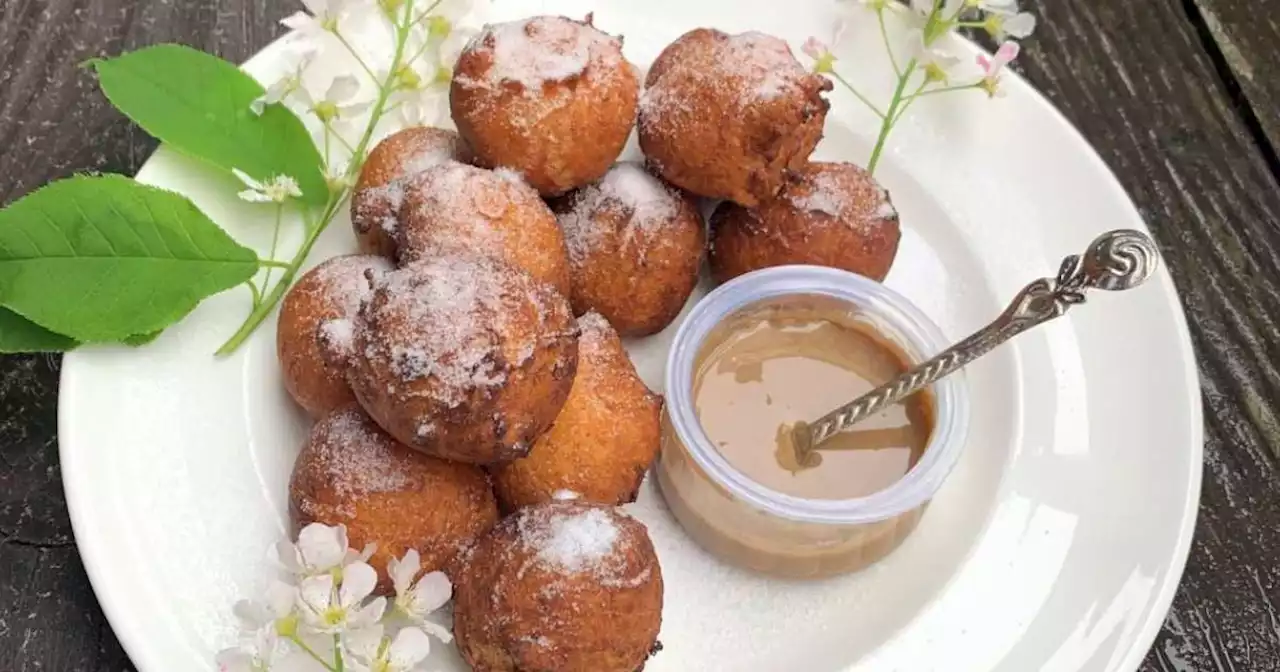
[260, 624]
[323, 17]
[299, 60]
[276, 190]
[256, 653]
[330, 608]
[992, 67]
[421, 86]
[340, 103]
[933, 60]
[417, 601]
[1003, 19]
[371, 651]
[320, 548]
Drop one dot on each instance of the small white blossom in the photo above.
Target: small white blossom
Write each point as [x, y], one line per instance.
[1004, 20]
[320, 548]
[330, 607]
[992, 67]
[260, 646]
[298, 61]
[278, 189]
[256, 653]
[417, 601]
[372, 651]
[322, 16]
[340, 104]
[421, 87]
[935, 61]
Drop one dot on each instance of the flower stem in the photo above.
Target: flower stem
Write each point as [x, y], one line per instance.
[891, 115]
[946, 89]
[267, 305]
[337, 653]
[291, 269]
[906, 102]
[297, 641]
[253, 289]
[888, 47]
[865, 101]
[275, 242]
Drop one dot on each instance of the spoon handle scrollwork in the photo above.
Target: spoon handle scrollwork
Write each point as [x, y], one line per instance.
[1117, 260]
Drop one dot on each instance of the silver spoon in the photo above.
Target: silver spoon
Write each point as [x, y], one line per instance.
[1116, 261]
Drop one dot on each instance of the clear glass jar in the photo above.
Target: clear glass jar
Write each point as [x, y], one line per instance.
[752, 526]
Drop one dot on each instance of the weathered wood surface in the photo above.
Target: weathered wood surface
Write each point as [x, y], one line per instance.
[1243, 38]
[1179, 98]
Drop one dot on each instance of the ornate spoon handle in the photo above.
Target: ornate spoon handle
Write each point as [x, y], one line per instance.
[1117, 260]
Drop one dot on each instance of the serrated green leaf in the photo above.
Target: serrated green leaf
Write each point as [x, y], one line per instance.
[18, 334]
[199, 104]
[103, 259]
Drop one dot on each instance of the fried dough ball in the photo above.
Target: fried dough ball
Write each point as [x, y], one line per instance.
[604, 439]
[464, 357]
[635, 247]
[726, 116]
[352, 473]
[828, 214]
[455, 206]
[564, 586]
[376, 200]
[318, 306]
[548, 97]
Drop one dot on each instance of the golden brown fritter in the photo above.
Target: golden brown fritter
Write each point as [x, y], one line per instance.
[464, 357]
[376, 200]
[635, 247]
[548, 97]
[726, 116]
[604, 439]
[352, 473]
[321, 305]
[459, 207]
[563, 586]
[829, 214]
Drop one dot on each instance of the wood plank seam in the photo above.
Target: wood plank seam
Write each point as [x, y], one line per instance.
[1232, 85]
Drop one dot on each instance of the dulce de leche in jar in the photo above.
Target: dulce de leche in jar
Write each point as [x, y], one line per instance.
[788, 344]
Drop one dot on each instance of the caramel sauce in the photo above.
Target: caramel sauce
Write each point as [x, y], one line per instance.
[772, 365]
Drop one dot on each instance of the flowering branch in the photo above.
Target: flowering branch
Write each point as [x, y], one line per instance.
[421, 42]
[328, 600]
[930, 64]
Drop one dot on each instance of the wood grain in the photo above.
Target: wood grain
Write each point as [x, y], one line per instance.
[1244, 40]
[53, 123]
[1178, 96]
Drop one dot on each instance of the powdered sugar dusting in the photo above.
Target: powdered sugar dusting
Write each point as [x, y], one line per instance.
[843, 191]
[355, 457]
[343, 283]
[339, 334]
[825, 195]
[541, 49]
[627, 191]
[573, 540]
[444, 319]
[744, 69]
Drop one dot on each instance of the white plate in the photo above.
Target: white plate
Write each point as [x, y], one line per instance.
[1056, 545]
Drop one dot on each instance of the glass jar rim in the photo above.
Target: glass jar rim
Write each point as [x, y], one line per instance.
[906, 325]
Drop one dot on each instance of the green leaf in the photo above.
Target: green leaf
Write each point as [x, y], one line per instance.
[199, 104]
[103, 259]
[142, 339]
[18, 334]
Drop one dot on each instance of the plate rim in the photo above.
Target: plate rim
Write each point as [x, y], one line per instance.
[111, 598]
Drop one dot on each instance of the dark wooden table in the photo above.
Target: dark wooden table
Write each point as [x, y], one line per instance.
[1181, 98]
